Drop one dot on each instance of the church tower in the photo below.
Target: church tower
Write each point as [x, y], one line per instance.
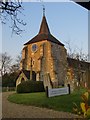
[46, 56]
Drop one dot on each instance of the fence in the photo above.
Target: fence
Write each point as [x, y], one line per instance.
[6, 89]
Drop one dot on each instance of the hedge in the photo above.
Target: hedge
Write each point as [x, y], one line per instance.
[30, 86]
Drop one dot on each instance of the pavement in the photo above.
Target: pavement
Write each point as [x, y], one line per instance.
[12, 110]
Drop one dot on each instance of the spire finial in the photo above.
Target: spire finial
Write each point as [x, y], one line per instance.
[43, 10]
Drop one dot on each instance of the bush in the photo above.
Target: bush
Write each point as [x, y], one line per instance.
[30, 86]
[84, 106]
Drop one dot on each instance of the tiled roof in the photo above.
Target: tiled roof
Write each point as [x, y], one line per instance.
[44, 27]
[26, 73]
[44, 34]
[78, 64]
[41, 37]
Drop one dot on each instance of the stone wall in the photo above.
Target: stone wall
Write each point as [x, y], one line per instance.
[59, 57]
[49, 61]
[34, 55]
[50, 64]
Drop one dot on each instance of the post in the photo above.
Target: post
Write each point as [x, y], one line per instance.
[47, 91]
[7, 89]
[69, 88]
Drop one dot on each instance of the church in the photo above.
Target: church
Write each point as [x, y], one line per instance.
[44, 58]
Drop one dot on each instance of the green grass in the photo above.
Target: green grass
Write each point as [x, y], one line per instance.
[59, 103]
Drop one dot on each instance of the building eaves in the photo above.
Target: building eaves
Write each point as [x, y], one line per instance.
[42, 37]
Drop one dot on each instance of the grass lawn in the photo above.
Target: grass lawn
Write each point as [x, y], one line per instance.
[59, 103]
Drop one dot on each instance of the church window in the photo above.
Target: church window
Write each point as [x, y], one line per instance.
[34, 47]
[38, 76]
[41, 49]
[33, 63]
[23, 54]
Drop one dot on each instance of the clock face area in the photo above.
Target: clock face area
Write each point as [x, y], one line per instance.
[34, 47]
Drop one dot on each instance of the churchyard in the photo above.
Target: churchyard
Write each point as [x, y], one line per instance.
[59, 103]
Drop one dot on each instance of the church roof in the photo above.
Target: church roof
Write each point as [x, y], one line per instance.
[26, 73]
[44, 27]
[74, 63]
[41, 37]
[44, 34]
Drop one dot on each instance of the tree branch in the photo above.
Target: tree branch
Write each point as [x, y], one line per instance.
[12, 9]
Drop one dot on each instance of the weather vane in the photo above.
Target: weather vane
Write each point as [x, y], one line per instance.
[43, 10]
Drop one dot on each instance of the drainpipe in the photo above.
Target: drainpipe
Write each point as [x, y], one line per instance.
[31, 70]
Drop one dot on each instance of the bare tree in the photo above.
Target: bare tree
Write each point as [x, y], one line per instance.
[76, 53]
[5, 63]
[16, 66]
[79, 58]
[18, 59]
[11, 9]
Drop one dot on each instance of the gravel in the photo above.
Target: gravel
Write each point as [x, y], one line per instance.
[12, 110]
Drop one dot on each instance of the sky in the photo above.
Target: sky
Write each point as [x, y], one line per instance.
[67, 21]
[57, 0]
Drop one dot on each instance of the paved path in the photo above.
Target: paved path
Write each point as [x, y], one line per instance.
[12, 110]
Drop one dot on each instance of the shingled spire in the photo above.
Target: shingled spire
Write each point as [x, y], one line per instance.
[44, 33]
[44, 26]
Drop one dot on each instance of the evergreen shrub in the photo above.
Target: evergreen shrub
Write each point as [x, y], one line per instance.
[30, 86]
